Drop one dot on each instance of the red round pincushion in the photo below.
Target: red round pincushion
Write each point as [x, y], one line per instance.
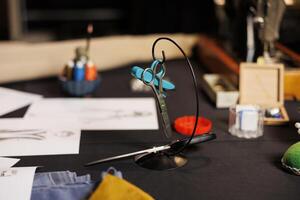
[185, 125]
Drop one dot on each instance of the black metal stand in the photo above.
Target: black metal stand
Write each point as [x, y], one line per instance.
[170, 159]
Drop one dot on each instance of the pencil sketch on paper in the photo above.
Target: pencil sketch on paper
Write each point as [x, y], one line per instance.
[116, 115]
[107, 114]
[26, 137]
[32, 134]
[101, 114]
[113, 114]
[8, 172]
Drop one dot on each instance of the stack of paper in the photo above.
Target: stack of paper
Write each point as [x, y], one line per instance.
[53, 126]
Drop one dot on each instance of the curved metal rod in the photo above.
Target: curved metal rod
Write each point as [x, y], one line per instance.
[194, 82]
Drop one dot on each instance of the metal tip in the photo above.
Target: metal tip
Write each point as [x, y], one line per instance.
[89, 164]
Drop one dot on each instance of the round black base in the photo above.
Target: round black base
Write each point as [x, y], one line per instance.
[160, 161]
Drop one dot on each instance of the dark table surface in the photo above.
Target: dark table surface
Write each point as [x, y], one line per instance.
[226, 168]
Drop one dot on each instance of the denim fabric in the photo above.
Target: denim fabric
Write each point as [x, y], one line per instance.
[65, 185]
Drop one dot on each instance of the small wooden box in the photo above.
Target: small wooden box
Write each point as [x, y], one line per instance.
[220, 90]
[262, 84]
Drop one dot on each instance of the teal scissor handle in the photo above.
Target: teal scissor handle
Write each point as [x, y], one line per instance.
[155, 64]
[137, 72]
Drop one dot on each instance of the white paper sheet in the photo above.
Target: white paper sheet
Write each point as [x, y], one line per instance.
[6, 163]
[18, 185]
[101, 113]
[11, 100]
[27, 137]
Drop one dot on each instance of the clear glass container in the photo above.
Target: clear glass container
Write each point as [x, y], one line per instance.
[246, 121]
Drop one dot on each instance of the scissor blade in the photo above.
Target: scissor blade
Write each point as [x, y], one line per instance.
[151, 150]
[165, 117]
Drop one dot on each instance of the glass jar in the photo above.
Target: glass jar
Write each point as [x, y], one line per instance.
[246, 121]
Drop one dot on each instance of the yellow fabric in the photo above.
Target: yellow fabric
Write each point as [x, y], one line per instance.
[114, 188]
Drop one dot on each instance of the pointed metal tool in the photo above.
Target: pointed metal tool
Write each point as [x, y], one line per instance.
[174, 146]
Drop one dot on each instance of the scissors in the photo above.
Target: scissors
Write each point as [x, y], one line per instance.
[137, 72]
[159, 93]
[172, 147]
